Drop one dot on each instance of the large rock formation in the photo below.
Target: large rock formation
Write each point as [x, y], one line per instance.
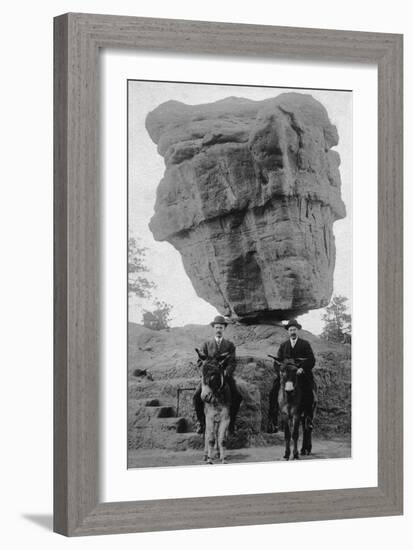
[249, 197]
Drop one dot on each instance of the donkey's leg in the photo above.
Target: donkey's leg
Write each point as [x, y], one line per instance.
[217, 448]
[309, 442]
[309, 431]
[205, 447]
[309, 419]
[209, 437]
[211, 444]
[310, 428]
[303, 450]
[222, 435]
[205, 437]
[287, 435]
[216, 444]
[296, 430]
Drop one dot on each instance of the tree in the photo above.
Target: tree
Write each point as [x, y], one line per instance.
[159, 318]
[138, 284]
[337, 321]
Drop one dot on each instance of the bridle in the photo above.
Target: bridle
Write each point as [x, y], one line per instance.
[284, 383]
[217, 370]
[221, 375]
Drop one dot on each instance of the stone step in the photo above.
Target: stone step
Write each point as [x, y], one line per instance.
[156, 411]
[178, 425]
[165, 411]
[152, 403]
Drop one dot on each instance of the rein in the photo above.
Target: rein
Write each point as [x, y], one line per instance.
[221, 387]
[222, 382]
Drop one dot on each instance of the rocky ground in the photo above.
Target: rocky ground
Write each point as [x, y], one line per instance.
[162, 375]
[337, 447]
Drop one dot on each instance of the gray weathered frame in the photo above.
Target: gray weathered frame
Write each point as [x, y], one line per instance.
[78, 39]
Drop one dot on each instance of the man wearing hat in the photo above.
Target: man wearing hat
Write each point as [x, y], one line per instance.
[293, 348]
[216, 346]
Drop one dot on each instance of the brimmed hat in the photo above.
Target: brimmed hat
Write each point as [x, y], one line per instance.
[292, 323]
[219, 320]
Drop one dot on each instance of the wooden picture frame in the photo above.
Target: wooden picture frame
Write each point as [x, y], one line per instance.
[78, 39]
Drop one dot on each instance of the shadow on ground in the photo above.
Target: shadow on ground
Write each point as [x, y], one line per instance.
[43, 520]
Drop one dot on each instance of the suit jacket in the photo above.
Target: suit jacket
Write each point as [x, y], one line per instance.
[210, 348]
[302, 348]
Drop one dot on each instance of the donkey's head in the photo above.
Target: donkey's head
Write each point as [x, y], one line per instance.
[289, 376]
[213, 370]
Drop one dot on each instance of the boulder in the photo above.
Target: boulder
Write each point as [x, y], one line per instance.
[249, 196]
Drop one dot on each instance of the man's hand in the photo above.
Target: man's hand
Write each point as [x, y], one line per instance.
[300, 371]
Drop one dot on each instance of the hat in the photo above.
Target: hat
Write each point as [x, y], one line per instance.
[219, 320]
[292, 323]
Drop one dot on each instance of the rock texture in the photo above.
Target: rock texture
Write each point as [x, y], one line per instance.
[249, 196]
[156, 420]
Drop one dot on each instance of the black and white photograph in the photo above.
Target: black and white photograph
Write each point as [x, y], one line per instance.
[239, 273]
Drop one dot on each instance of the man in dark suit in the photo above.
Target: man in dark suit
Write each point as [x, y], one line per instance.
[214, 348]
[293, 348]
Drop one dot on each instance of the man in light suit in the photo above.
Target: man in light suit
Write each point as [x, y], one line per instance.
[299, 349]
[216, 347]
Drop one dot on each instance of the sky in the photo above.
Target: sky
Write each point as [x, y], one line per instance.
[146, 168]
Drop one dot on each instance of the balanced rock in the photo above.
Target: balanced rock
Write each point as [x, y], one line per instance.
[249, 196]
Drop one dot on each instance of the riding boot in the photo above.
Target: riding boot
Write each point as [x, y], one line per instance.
[233, 411]
[309, 399]
[236, 399]
[273, 407]
[199, 409]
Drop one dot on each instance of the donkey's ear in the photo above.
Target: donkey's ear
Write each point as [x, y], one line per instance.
[275, 359]
[200, 355]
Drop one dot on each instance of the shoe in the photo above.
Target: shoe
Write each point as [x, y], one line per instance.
[201, 429]
[272, 428]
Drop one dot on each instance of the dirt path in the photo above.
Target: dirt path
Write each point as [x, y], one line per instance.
[322, 448]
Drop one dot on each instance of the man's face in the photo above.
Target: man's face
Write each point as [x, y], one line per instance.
[219, 330]
[292, 331]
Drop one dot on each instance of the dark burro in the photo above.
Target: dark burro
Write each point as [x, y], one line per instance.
[249, 196]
